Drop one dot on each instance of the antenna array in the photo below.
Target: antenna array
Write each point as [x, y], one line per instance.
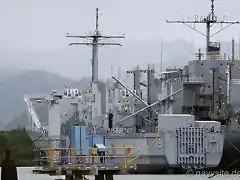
[209, 20]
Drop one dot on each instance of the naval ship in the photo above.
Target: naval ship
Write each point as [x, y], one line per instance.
[188, 118]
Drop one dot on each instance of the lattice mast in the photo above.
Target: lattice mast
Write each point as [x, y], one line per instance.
[95, 39]
[209, 21]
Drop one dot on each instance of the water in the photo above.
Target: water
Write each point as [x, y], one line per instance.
[26, 174]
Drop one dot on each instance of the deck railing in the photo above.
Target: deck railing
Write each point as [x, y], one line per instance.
[93, 157]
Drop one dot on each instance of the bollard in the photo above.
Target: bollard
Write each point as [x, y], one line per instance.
[100, 176]
[108, 176]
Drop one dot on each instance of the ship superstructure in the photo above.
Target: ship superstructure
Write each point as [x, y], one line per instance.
[215, 97]
[182, 122]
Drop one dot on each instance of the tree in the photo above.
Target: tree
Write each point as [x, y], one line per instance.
[3, 145]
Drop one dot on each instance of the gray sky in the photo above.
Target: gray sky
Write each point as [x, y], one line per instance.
[32, 33]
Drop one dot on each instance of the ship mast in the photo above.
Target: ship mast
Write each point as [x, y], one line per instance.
[95, 39]
[209, 21]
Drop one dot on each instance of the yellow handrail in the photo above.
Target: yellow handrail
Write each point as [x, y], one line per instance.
[128, 151]
[87, 148]
[89, 156]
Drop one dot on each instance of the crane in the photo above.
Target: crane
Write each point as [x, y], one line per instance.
[33, 115]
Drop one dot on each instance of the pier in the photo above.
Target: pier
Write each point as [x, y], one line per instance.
[76, 163]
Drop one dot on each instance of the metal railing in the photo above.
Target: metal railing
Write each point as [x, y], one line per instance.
[193, 79]
[235, 81]
[205, 102]
[93, 159]
[217, 57]
[186, 79]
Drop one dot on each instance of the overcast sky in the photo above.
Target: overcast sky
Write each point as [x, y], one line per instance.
[40, 26]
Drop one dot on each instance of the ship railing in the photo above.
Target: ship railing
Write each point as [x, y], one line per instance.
[217, 57]
[90, 158]
[235, 81]
[206, 91]
[205, 102]
[186, 79]
[193, 79]
[213, 57]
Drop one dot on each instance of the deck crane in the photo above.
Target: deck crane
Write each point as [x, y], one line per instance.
[33, 115]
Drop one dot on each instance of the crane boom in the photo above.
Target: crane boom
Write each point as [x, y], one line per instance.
[33, 115]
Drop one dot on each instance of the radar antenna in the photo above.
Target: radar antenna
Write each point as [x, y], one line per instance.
[209, 20]
[95, 38]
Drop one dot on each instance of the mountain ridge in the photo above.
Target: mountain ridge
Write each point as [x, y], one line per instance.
[33, 82]
[18, 82]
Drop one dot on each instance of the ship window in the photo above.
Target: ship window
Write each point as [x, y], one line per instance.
[202, 75]
[209, 86]
[221, 64]
[202, 64]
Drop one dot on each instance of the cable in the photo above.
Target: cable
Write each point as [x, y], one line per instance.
[145, 150]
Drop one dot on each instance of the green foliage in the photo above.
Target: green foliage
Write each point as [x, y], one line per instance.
[20, 145]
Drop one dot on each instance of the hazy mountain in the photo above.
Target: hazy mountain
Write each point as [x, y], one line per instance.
[22, 120]
[6, 73]
[15, 83]
[41, 110]
[13, 89]
[75, 62]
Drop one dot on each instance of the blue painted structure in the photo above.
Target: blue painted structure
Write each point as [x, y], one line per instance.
[96, 139]
[78, 139]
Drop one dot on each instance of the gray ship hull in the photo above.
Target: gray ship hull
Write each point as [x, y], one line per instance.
[231, 154]
[230, 159]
